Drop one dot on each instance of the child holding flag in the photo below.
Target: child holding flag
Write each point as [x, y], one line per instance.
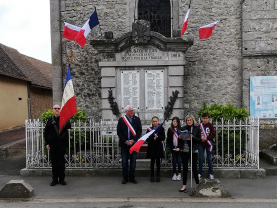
[207, 136]
[155, 148]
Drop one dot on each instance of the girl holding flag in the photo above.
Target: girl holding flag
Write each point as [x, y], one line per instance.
[172, 141]
[155, 148]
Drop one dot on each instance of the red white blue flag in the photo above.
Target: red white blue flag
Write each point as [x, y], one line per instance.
[69, 107]
[207, 30]
[185, 24]
[81, 37]
[140, 142]
[70, 31]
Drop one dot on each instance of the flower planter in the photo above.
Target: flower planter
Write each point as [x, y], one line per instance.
[143, 148]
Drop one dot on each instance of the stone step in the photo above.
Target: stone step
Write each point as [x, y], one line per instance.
[270, 156]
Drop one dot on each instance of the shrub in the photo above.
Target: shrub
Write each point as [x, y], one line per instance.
[228, 113]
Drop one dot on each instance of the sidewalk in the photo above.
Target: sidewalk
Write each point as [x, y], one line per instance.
[111, 187]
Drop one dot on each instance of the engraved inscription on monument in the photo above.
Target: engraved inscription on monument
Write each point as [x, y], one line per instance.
[130, 88]
[154, 89]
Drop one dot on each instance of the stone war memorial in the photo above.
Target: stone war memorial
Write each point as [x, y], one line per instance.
[137, 51]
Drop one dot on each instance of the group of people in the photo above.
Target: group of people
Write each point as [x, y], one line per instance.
[183, 146]
[185, 143]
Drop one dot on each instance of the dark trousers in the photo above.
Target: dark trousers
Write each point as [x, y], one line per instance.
[185, 156]
[125, 155]
[152, 164]
[202, 149]
[176, 159]
[57, 153]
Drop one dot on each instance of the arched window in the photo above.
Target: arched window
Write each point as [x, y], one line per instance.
[157, 12]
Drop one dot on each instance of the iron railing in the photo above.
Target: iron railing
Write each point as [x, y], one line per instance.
[95, 145]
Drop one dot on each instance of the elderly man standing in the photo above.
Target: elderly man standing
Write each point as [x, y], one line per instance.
[128, 130]
[56, 141]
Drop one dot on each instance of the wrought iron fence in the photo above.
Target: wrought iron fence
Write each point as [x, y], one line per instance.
[95, 145]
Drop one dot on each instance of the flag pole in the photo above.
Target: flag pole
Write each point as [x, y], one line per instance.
[70, 58]
[191, 161]
[98, 22]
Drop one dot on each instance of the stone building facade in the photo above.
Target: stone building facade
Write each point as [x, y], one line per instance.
[214, 70]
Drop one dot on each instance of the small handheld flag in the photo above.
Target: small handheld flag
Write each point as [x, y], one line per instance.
[140, 142]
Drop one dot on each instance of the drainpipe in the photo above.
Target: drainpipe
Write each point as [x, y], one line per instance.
[29, 101]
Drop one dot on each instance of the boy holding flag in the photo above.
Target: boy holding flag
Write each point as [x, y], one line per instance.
[207, 136]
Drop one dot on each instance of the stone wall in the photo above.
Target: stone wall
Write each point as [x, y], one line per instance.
[213, 73]
[218, 69]
[259, 41]
[41, 101]
[260, 54]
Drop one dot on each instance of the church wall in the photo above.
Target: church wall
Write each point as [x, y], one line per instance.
[217, 69]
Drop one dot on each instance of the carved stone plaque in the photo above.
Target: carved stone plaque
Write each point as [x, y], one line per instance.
[154, 89]
[147, 53]
[130, 88]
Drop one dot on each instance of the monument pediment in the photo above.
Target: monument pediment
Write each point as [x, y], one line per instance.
[141, 35]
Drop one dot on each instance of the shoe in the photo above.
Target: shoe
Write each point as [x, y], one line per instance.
[199, 177]
[211, 176]
[174, 178]
[152, 179]
[63, 183]
[158, 179]
[133, 181]
[179, 177]
[54, 183]
[184, 190]
[124, 181]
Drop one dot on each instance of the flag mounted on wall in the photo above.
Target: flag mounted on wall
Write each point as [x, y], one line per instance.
[185, 24]
[70, 31]
[81, 37]
[207, 30]
[69, 107]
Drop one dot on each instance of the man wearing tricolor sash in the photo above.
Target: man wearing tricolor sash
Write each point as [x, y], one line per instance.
[207, 136]
[128, 130]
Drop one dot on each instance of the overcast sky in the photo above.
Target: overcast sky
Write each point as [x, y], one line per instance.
[25, 26]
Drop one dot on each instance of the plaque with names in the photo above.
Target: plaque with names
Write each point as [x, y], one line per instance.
[154, 89]
[130, 88]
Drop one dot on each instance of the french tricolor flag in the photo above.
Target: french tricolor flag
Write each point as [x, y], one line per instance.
[184, 28]
[69, 107]
[81, 37]
[70, 31]
[207, 30]
[140, 142]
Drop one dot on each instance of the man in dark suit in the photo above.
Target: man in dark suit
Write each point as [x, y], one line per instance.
[56, 142]
[128, 130]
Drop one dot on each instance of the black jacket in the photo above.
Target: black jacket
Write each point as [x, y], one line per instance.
[155, 147]
[196, 138]
[50, 134]
[122, 131]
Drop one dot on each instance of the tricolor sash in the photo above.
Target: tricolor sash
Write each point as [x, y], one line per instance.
[210, 143]
[130, 127]
[175, 138]
[202, 127]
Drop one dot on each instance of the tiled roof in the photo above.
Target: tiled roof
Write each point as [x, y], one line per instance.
[36, 71]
